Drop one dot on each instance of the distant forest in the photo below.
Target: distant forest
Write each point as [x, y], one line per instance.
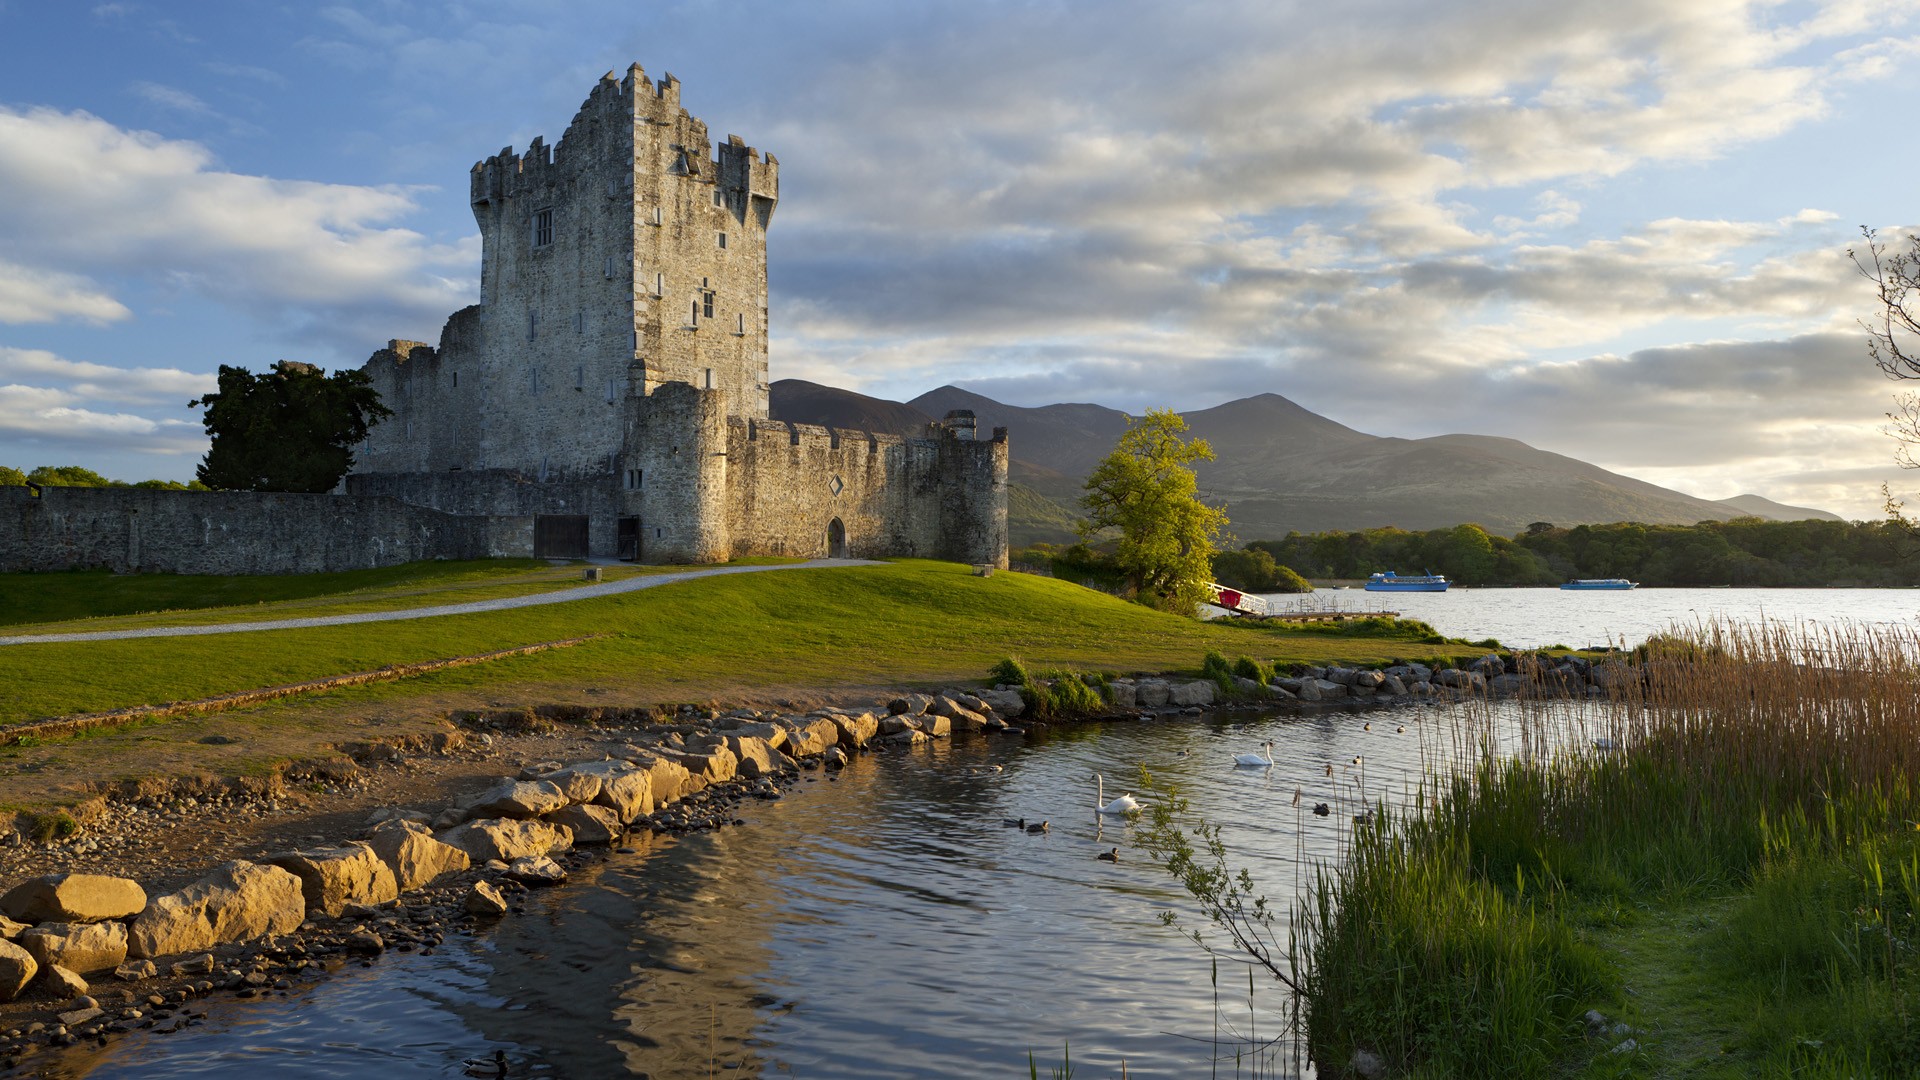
[1744, 551]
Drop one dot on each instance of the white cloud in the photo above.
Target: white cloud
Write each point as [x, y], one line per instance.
[93, 199]
[79, 379]
[49, 296]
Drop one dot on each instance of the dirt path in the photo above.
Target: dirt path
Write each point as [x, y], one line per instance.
[585, 592]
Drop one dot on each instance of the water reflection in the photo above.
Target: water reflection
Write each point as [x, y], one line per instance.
[881, 924]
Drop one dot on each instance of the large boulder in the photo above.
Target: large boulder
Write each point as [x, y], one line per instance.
[811, 737]
[236, 902]
[754, 758]
[1007, 703]
[936, 725]
[772, 734]
[589, 824]
[856, 731]
[620, 786]
[1370, 680]
[413, 854]
[1124, 694]
[80, 947]
[715, 765]
[17, 969]
[577, 785]
[909, 704]
[1198, 692]
[666, 779]
[74, 898]
[519, 799]
[1152, 693]
[333, 877]
[507, 839]
[1613, 675]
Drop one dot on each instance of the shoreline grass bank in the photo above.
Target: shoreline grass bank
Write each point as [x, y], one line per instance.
[1722, 883]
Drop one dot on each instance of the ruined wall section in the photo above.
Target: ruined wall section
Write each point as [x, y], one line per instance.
[893, 496]
[237, 532]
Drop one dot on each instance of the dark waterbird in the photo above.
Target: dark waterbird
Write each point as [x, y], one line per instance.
[493, 1068]
[1037, 827]
[1112, 856]
[1321, 809]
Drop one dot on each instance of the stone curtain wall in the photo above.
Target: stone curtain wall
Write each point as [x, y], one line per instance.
[196, 532]
[502, 493]
[942, 498]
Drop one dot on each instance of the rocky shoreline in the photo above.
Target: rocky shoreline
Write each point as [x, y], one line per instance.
[129, 936]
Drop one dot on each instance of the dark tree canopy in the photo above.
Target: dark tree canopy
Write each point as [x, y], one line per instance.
[290, 429]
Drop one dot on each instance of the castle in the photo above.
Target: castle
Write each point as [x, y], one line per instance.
[612, 381]
[607, 397]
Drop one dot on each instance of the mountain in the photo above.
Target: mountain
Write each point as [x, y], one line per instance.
[1756, 506]
[801, 402]
[1281, 468]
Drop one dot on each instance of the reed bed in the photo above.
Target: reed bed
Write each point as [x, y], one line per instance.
[1764, 773]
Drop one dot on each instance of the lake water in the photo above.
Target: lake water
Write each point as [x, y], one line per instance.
[884, 924]
[1534, 618]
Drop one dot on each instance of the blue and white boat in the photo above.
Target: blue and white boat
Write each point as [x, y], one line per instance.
[1615, 583]
[1392, 582]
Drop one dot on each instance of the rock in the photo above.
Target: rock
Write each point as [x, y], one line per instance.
[75, 1017]
[237, 901]
[1326, 689]
[811, 738]
[1627, 1047]
[334, 877]
[17, 969]
[1367, 1065]
[80, 947]
[539, 770]
[666, 779]
[507, 839]
[1007, 703]
[619, 786]
[589, 824]
[897, 723]
[1393, 684]
[1488, 667]
[1507, 685]
[447, 819]
[577, 785]
[1613, 675]
[755, 759]
[909, 704]
[74, 898]
[192, 965]
[135, 970]
[856, 731]
[968, 720]
[1197, 692]
[413, 855]
[60, 983]
[389, 813]
[1250, 687]
[365, 942]
[715, 766]
[10, 929]
[1343, 676]
[1152, 693]
[1460, 680]
[519, 799]
[1309, 689]
[1371, 680]
[936, 725]
[836, 758]
[1596, 1022]
[1125, 693]
[485, 900]
[536, 870]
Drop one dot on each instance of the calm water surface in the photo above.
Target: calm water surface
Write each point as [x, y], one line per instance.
[884, 924]
[1534, 618]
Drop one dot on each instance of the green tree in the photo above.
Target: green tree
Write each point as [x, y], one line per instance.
[1146, 490]
[290, 429]
[12, 477]
[68, 476]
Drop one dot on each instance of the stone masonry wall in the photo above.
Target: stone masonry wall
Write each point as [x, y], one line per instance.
[236, 532]
[504, 493]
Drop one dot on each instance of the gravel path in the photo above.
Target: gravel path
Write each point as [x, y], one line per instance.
[584, 592]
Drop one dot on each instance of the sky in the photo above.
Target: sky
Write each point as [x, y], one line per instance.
[1613, 229]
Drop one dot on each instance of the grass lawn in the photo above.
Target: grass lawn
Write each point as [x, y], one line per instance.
[805, 634]
[910, 622]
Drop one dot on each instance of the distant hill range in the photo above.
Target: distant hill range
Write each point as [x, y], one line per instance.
[1280, 468]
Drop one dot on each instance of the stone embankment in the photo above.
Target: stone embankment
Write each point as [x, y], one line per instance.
[91, 955]
[1497, 675]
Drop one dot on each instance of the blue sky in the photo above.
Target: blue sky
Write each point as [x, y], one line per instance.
[1615, 231]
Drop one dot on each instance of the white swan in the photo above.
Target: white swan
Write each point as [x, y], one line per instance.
[1256, 760]
[1125, 804]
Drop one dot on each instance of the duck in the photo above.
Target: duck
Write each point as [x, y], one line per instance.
[1363, 819]
[1125, 804]
[1401, 730]
[488, 1068]
[1037, 827]
[1112, 855]
[1321, 809]
[1014, 822]
[1262, 760]
[1368, 726]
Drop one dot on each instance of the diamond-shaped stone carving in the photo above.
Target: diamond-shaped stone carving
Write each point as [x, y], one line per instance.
[834, 485]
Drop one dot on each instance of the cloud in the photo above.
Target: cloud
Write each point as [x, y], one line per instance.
[173, 98]
[79, 379]
[95, 202]
[50, 296]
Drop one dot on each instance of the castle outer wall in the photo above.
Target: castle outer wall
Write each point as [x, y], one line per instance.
[129, 530]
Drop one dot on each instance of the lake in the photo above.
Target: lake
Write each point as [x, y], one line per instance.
[1535, 618]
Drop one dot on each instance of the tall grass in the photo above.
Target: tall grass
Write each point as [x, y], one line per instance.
[1773, 765]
